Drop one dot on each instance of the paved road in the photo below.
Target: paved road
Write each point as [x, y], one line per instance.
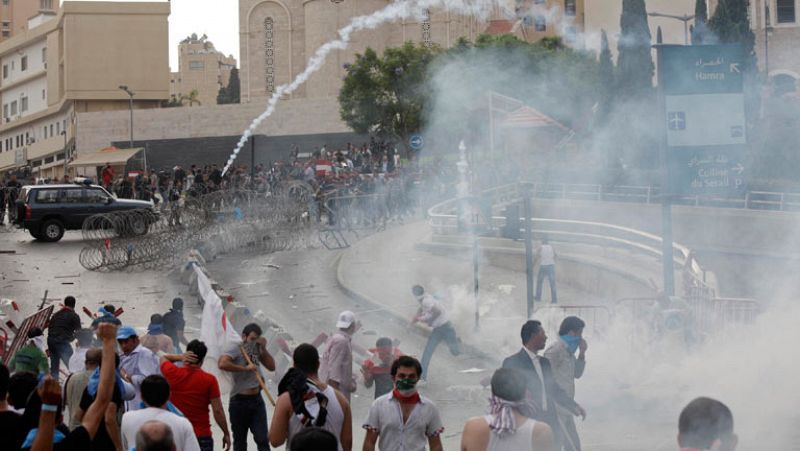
[304, 298]
[35, 267]
[631, 398]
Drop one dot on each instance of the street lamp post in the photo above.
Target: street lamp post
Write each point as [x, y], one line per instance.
[130, 146]
[684, 18]
[767, 31]
[66, 153]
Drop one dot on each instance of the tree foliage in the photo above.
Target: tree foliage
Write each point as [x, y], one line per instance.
[606, 72]
[386, 95]
[232, 92]
[635, 62]
[731, 25]
[700, 30]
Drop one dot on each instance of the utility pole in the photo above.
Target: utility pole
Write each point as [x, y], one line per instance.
[252, 158]
[66, 152]
[767, 31]
[667, 252]
[526, 206]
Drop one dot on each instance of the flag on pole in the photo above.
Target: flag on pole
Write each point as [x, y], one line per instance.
[216, 331]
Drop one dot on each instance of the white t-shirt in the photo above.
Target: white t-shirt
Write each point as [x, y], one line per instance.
[547, 255]
[77, 362]
[430, 307]
[185, 439]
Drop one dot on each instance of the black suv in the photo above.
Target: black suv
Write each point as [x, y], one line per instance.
[47, 210]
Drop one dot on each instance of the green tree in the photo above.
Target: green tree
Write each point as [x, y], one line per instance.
[700, 29]
[731, 25]
[386, 95]
[232, 92]
[635, 62]
[606, 72]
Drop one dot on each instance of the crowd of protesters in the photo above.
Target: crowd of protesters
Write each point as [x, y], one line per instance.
[373, 169]
[142, 393]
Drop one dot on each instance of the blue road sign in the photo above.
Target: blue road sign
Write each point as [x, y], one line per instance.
[416, 142]
[709, 170]
[704, 118]
[701, 69]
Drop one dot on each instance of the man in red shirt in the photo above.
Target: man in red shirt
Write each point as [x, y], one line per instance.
[192, 390]
[107, 175]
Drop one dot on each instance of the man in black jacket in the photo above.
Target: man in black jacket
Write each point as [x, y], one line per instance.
[537, 369]
[61, 334]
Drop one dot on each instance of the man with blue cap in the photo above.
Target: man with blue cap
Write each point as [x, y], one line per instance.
[136, 362]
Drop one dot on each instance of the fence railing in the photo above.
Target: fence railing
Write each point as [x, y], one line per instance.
[752, 200]
[457, 215]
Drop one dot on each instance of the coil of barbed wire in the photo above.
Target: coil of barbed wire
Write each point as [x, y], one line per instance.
[223, 220]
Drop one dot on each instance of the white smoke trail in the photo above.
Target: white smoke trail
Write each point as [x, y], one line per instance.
[394, 11]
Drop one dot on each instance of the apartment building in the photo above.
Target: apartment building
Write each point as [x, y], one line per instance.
[14, 14]
[201, 67]
[74, 62]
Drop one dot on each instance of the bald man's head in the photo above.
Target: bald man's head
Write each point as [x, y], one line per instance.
[93, 358]
[155, 436]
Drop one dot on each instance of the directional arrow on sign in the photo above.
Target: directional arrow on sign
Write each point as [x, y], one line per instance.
[738, 168]
[735, 68]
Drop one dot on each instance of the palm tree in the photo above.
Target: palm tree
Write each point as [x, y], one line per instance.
[191, 98]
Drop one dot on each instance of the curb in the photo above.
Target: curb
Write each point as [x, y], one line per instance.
[418, 328]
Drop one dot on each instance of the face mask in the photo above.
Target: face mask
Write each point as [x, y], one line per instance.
[572, 342]
[406, 386]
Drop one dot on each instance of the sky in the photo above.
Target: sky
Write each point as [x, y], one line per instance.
[219, 19]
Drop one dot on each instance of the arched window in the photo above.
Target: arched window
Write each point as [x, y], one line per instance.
[269, 54]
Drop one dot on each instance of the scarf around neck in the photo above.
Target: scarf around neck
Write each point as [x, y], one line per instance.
[502, 413]
[406, 399]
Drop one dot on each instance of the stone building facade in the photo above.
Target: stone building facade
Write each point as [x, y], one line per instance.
[72, 63]
[777, 39]
[16, 14]
[277, 37]
[201, 67]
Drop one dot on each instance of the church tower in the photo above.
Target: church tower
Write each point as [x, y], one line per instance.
[278, 37]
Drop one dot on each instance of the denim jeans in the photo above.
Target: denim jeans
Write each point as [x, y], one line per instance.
[548, 271]
[248, 412]
[206, 443]
[445, 333]
[60, 350]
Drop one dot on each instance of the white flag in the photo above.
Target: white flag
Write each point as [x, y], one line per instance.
[216, 331]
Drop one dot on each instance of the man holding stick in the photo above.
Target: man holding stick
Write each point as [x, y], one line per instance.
[246, 408]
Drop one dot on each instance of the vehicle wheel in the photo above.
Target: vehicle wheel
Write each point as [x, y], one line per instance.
[52, 230]
[139, 227]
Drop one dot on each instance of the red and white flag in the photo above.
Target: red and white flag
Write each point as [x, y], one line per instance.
[216, 331]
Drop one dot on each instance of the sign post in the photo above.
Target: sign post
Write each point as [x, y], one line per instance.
[700, 90]
[416, 142]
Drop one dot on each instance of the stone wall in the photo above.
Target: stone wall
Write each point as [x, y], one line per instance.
[292, 117]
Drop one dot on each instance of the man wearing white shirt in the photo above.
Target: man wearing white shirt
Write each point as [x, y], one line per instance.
[135, 363]
[544, 391]
[155, 394]
[432, 313]
[77, 361]
[547, 268]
